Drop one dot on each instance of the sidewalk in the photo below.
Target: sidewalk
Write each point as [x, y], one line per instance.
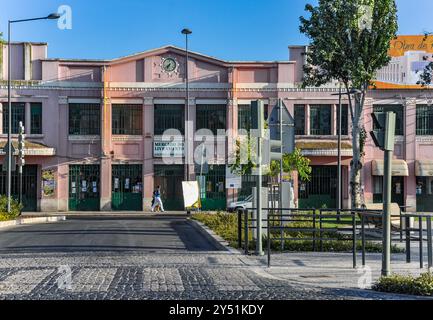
[331, 270]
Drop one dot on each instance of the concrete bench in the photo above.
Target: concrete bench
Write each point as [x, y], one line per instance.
[377, 221]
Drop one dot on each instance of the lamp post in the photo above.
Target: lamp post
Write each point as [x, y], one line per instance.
[52, 16]
[339, 173]
[186, 32]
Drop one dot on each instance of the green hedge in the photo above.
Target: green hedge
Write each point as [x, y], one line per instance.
[226, 226]
[15, 209]
[420, 286]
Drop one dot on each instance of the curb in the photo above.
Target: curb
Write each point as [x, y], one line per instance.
[22, 221]
[212, 237]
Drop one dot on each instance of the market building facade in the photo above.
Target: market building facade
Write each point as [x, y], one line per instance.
[95, 129]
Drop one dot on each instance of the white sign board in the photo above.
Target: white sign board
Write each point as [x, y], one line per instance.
[233, 181]
[191, 194]
[168, 148]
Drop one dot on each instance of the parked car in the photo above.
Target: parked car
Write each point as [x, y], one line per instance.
[241, 205]
[246, 203]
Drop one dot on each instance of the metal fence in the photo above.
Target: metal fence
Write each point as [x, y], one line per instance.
[319, 226]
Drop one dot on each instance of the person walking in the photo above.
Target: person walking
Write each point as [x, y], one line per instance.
[157, 201]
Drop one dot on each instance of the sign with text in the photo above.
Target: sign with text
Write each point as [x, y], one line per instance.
[168, 149]
[409, 57]
[233, 181]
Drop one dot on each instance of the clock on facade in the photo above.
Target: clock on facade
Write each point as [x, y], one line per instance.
[169, 65]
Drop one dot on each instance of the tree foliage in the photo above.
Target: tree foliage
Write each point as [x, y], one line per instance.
[344, 48]
[340, 48]
[426, 77]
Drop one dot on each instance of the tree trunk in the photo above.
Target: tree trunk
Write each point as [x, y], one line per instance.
[356, 163]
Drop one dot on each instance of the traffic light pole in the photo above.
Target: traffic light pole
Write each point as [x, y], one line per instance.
[259, 244]
[383, 135]
[386, 256]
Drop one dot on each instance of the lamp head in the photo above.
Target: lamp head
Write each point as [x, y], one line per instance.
[186, 31]
[53, 16]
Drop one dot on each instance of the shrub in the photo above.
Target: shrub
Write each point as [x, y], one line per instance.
[15, 209]
[420, 286]
[226, 226]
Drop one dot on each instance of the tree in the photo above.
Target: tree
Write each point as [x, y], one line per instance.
[426, 77]
[349, 43]
[291, 162]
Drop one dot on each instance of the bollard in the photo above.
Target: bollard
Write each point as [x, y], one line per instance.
[268, 233]
[314, 230]
[239, 229]
[429, 243]
[354, 239]
[363, 239]
[420, 236]
[246, 231]
[407, 228]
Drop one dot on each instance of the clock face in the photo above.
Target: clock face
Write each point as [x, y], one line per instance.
[169, 65]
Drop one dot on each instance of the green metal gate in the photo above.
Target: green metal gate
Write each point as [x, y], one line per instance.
[127, 187]
[215, 196]
[320, 191]
[170, 178]
[84, 188]
[30, 173]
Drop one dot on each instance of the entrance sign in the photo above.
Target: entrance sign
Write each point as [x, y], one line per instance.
[233, 181]
[191, 194]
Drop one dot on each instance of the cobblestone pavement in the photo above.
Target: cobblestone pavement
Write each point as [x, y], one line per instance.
[185, 276]
[150, 259]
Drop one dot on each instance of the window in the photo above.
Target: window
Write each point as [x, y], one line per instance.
[212, 117]
[244, 116]
[398, 109]
[168, 116]
[424, 120]
[127, 119]
[18, 114]
[320, 119]
[300, 120]
[344, 119]
[36, 118]
[84, 119]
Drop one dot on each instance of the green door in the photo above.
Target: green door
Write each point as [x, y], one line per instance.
[30, 173]
[84, 188]
[127, 187]
[170, 178]
[214, 197]
[321, 190]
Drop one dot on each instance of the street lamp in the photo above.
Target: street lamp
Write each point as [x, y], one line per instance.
[186, 32]
[339, 94]
[52, 16]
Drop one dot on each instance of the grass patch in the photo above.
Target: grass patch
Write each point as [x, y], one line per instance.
[226, 226]
[420, 286]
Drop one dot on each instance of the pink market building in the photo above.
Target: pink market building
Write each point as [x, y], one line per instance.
[94, 129]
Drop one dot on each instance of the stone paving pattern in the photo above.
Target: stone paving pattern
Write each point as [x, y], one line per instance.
[185, 276]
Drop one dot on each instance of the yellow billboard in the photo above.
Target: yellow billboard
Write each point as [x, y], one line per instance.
[409, 57]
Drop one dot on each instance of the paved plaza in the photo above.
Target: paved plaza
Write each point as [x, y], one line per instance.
[163, 258]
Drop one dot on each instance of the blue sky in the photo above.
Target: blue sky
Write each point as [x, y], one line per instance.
[227, 29]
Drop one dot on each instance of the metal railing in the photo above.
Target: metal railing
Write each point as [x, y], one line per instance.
[322, 225]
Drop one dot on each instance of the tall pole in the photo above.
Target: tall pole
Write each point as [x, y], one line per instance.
[187, 137]
[53, 16]
[387, 214]
[9, 143]
[280, 195]
[339, 153]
